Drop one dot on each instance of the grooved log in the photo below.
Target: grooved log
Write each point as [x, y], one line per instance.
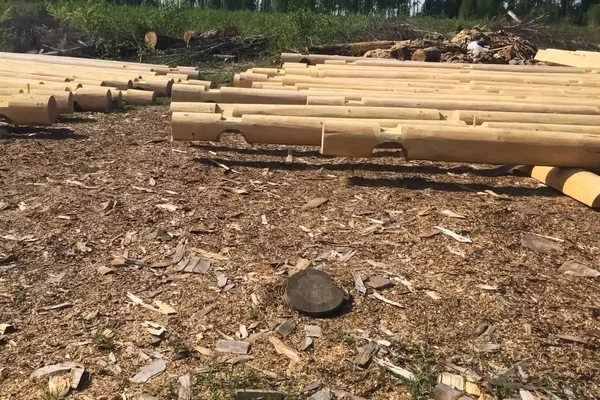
[481, 145]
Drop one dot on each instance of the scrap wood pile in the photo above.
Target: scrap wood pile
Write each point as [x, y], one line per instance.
[206, 46]
[477, 45]
[35, 89]
[543, 117]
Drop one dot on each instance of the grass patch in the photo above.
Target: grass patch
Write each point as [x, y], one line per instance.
[84, 168]
[423, 369]
[103, 339]
[220, 382]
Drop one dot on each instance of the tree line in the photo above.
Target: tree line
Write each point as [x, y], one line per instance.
[574, 11]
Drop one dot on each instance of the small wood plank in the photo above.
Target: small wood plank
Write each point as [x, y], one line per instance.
[232, 346]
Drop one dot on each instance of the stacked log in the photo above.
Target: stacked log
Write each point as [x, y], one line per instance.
[545, 117]
[77, 84]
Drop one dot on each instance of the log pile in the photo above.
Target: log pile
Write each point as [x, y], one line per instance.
[547, 118]
[497, 47]
[35, 89]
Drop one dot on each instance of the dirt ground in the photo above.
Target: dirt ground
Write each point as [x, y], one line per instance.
[75, 197]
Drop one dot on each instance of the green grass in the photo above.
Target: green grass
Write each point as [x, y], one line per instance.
[84, 168]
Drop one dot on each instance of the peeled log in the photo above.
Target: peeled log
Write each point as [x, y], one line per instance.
[336, 111]
[192, 107]
[144, 97]
[458, 104]
[270, 129]
[65, 103]
[162, 88]
[583, 186]
[90, 99]
[188, 93]
[325, 100]
[28, 109]
[480, 117]
[544, 127]
[469, 144]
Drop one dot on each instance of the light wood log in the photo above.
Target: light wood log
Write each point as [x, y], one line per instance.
[161, 88]
[63, 60]
[188, 93]
[568, 58]
[267, 129]
[9, 91]
[193, 107]
[143, 97]
[480, 117]
[28, 109]
[325, 100]
[239, 110]
[469, 144]
[92, 99]
[15, 82]
[543, 127]
[206, 84]
[177, 76]
[314, 59]
[458, 104]
[65, 103]
[583, 186]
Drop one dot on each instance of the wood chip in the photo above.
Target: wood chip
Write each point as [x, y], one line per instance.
[308, 341]
[393, 303]
[235, 190]
[570, 338]
[314, 203]
[394, 369]
[379, 282]
[50, 370]
[321, 395]
[185, 388]
[359, 285]
[429, 233]
[313, 331]
[206, 310]
[577, 269]
[365, 354]
[285, 328]
[221, 280]
[239, 359]
[179, 253]
[526, 395]
[105, 270]
[452, 214]
[6, 328]
[150, 371]
[486, 347]
[140, 302]
[480, 329]
[314, 385]
[453, 380]
[164, 308]
[232, 346]
[56, 307]
[433, 295]
[167, 206]
[281, 348]
[541, 244]
[454, 235]
[207, 255]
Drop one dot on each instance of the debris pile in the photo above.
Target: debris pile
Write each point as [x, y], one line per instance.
[477, 45]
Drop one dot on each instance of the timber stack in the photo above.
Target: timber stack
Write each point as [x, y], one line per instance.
[35, 89]
[544, 118]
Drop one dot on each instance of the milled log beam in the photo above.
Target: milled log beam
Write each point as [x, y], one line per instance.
[468, 144]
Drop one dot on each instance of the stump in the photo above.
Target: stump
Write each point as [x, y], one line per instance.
[313, 292]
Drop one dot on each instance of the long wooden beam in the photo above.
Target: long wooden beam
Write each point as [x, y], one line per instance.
[469, 144]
